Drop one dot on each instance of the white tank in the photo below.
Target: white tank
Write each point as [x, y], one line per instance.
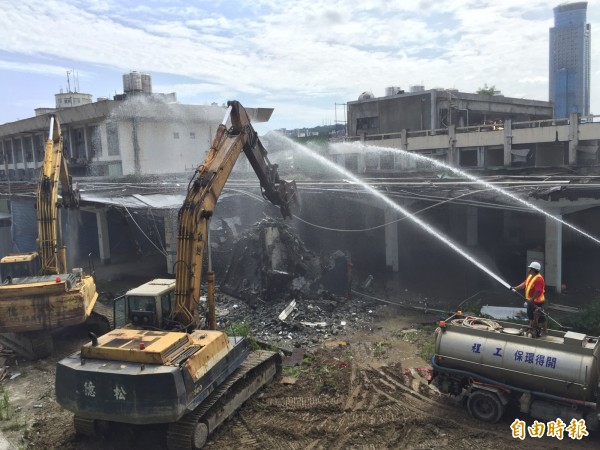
[417, 88]
[565, 365]
[137, 83]
[392, 90]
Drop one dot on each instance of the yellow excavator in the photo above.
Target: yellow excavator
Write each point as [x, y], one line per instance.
[161, 368]
[37, 295]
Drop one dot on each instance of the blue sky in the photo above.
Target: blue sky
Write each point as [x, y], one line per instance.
[300, 57]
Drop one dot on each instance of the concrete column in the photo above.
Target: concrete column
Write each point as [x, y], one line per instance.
[553, 254]
[472, 226]
[507, 142]
[103, 237]
[573, 138]
[171, 230]
[86, 150]
[452, 152]
[35, 158]
[481, 157]
[391, 238]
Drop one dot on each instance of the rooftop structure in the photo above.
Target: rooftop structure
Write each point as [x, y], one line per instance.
[431, 109]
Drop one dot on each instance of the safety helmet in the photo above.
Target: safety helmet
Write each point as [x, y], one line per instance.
[535, 266]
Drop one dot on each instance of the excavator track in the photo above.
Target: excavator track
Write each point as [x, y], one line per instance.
[32, 345]
[85, 427]
[193, 429]
[101, 319]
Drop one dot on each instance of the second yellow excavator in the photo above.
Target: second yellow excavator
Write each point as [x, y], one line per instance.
[37, 294]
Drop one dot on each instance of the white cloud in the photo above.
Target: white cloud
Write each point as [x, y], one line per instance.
[307, 54]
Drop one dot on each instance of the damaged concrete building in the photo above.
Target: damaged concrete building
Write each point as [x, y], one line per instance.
[136, 133]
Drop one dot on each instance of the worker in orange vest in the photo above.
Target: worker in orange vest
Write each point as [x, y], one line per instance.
[534, 294]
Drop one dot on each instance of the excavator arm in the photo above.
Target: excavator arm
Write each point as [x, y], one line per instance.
[204, 190]
[53, 171]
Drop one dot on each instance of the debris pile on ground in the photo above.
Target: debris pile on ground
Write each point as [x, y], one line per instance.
[306, 323]
[285, 294]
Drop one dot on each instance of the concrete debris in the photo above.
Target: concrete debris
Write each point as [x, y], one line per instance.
[269, 261]
[327, 313]
[315, 324]
[287, 311]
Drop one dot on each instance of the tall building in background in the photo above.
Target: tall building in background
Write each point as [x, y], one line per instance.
[570, 60]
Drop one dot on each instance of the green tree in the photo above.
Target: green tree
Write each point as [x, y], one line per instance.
[487, 90]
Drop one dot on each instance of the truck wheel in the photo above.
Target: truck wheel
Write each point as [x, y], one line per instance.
[485, 406]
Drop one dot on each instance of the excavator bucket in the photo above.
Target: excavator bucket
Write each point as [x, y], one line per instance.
[258, 115]
[288, 195]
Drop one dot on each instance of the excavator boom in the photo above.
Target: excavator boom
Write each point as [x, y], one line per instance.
[203, 192]
[53, 171]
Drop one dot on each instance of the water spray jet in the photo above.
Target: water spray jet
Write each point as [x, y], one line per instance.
[351, 177]
[475, 179]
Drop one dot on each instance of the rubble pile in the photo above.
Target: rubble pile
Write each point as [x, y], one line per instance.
[286, 294]
[308, 322]
[270, 262]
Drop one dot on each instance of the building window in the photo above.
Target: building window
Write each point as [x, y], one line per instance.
[112, 137]
[192, 135]
[386, 161]
[94, 141]
[175, 135]
[18, 150]
[367, 123]
[78, 144]
[8, 151]
[38, 142]
[27, 144]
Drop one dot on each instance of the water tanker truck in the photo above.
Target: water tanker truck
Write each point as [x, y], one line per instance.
[494, 364]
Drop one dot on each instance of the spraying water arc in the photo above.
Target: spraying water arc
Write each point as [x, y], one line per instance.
[479, 181]
[398, 208]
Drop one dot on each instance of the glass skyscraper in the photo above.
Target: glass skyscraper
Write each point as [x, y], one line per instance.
[570, 60]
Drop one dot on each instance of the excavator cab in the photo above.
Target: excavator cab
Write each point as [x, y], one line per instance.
[146, 306]
[19, 266]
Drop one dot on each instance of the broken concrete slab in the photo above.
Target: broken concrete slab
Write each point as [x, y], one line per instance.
[287, 311]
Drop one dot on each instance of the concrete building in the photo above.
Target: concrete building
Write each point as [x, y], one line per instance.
[434, 109]
[138, 133]
[569, 68]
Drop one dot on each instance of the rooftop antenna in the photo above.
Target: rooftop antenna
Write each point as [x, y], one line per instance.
[76, 80]
[68, 81]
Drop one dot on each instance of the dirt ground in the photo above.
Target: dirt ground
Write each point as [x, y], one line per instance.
[360, 390]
